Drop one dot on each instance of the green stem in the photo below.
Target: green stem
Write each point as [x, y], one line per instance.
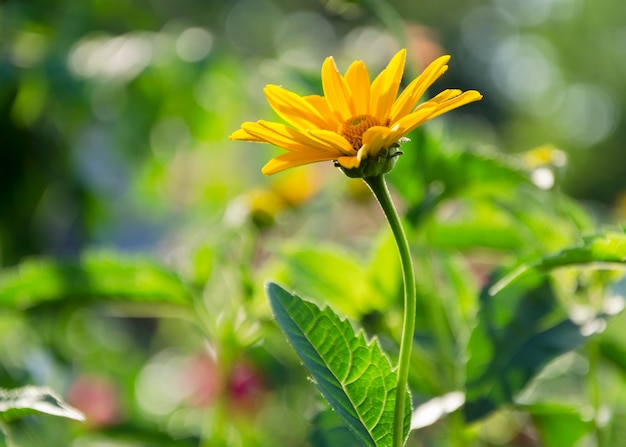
[595, 297]
[594, 389]
[379, 188]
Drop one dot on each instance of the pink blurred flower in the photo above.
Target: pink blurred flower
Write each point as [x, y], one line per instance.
[98, 398]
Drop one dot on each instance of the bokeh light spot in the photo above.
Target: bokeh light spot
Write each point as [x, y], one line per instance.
[122, 57]
[194, 44]
[586, 115]
[484, 29]
[523, 70]
[303, 39]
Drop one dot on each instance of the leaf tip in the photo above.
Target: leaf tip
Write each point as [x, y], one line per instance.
[271, 286]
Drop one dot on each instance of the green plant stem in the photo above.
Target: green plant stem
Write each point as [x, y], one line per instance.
[381, 192]
[593, 355]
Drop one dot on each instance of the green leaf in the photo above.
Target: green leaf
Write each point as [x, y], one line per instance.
[479, 224]
[522, 326]
[329, 430]
[613, 342]
[95, 276]
[608, 249]
[432, 171]
[31, 400]
[4, 436]
[511, 370]
[354, 375]
[384, 272]
[325, 271]
[558, 425]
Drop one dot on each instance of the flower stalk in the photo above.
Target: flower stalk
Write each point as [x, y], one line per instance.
[359, 125]
[379, 188]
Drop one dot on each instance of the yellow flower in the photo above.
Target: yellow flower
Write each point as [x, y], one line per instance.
[544, 155]
[355, 121]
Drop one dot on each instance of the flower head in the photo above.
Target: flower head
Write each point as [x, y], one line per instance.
[356, 124]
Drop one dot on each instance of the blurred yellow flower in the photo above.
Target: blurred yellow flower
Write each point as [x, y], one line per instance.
[354, 120]
[544, 155]
[298, 186]
[263, 207]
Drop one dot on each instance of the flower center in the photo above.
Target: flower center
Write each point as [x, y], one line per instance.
[354, 128]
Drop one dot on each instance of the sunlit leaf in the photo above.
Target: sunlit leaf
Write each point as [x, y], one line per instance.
[353, 374]
[558, 425]
[21, 402]
[384, 273]
[328, 272]
[476, 226]
[92, 277]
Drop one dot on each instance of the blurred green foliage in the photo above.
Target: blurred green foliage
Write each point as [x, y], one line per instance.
[135, 238]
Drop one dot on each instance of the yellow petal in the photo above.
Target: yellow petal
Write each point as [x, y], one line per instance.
[242, 135]
[336, 91]
[414, 91]
[332, 139]
[349, 162]
[293, 159]
[278, 130]
[374, 139]
[409, 122]
[286, 137]
[358, 80]
[385, 87]
[446, 95]
[319, 103]
[293, 108]
[458, 101]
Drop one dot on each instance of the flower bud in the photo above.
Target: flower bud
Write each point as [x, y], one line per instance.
[380, 164]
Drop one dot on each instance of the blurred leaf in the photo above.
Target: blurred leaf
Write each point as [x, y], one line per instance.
[132, 433]
[95, 276]
[614, 350]
[330, 431]
[521, 327]
[558, 425]
[608, 249]
[202, 265]
[354, 375]
[339, 277]
[384, 273]
[30, 400]
[466, 172]
[447, 173]
[462, 286]
[477, 225]
[525, 220]
[466, 198]
[519, 353]
[612, 344]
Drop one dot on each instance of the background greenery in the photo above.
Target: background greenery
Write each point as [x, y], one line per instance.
[135, 237]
